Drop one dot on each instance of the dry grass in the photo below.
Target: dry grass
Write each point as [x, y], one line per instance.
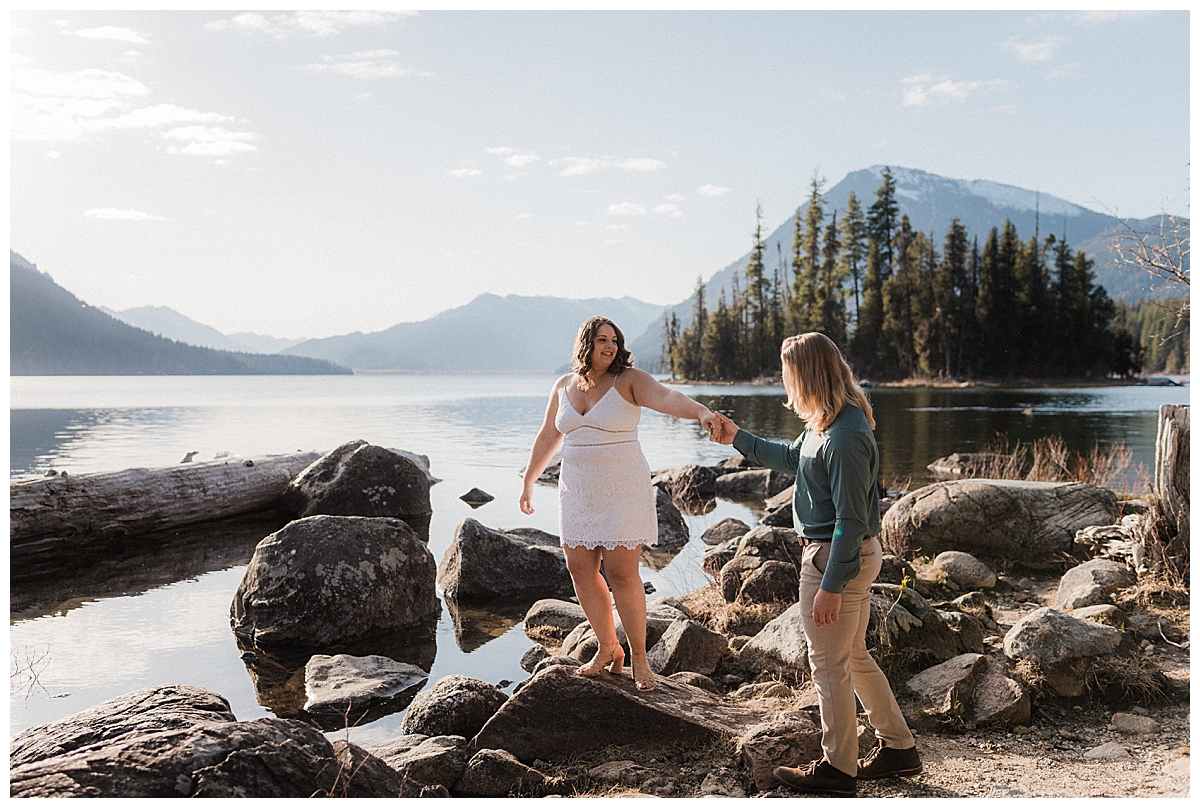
[1048, 459]
[707, 607]
[1125, 680]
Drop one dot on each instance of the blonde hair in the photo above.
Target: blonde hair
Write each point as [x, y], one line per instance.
[819, 381]
[581, 360]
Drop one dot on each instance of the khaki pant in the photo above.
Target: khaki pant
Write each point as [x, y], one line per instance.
[842, 668]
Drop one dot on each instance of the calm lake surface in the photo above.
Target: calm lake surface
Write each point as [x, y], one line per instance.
[161, 615]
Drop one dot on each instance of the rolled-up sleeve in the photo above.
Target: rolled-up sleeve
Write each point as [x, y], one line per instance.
[848, 461]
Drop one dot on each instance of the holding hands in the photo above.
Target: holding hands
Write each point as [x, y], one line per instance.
[720, 428]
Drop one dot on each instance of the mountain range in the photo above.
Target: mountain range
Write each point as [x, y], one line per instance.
[54, 333]
[489, 333]
[166, 322]
[930, 201]
[536, 333]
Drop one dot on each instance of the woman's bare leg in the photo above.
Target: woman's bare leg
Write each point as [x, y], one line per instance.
[592, 591]
[621, 568]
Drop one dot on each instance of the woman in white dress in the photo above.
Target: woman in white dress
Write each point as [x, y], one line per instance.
[606, 502]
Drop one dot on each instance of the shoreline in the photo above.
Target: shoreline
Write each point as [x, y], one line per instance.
[1175, 380]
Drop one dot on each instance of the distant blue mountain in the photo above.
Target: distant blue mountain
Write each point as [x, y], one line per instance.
[930, 202]
[489, 333]
[166, 322]
[54, 333]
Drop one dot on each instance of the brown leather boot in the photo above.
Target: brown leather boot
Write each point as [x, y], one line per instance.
[884, 761]
[818, 777]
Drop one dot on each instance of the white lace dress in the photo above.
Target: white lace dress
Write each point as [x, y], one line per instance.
[604, 494]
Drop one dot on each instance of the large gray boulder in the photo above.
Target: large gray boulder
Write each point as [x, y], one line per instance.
[436, 761]
[1054, 641]
[773, 582]
[553, 619]
[486, 563]
[1014, 519]
[904, 622]
[456, 705]
[974, 688]
[790, 741]
[753, 484]
[175, 741]
[672, 530]
[772, 544]
[581, 643]
[1092, 583]
[780, 648]
[358, 479]
[687, 646]
[326, 580]
[353, 689]
[967, 571]
[556, 714]
[688, 483]
[496, 773]
[724, 530]
[141, 712]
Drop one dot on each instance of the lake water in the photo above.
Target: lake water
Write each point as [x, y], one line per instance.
[159, 615]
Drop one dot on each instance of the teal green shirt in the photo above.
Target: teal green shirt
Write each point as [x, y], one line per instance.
[836, 496]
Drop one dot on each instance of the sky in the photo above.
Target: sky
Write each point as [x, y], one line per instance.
[308, 174]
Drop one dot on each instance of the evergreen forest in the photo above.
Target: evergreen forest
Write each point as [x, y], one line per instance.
[902, 303]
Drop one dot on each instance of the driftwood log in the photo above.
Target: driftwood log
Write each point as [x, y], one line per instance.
[59, 513]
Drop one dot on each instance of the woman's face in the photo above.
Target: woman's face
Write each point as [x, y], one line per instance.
[604, 348]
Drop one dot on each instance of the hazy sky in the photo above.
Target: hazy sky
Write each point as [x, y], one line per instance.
[318, 173]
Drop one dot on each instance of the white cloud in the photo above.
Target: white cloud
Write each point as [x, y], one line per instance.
[1040, 51]
[53, 155]
[312, 23]
[712, 190]
[675, 198]
[578, 166]
[462, 173]
[160, 115]
[601, 227]
[641, 164]
[923, 91]
[521, 160]
[500, 150]
[114, 213]
[109, 32]
[16, 31]
[211, 141]
[32, 118]
[524, 215]
[625, 209]
[89, 83]
[668, 209]
[879, 144]
[372, 64]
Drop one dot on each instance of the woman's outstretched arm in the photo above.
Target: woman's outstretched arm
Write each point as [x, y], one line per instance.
[544, 447]
[646, 391]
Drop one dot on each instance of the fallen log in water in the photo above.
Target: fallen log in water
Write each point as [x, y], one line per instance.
[60, 513]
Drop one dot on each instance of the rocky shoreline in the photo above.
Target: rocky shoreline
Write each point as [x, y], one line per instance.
[1006, 613]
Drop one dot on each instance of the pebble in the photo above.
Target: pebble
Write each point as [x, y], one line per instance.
[1107, 751]
[1020, 729]
[1141, 710]
[1131, 724]
[1067, 735]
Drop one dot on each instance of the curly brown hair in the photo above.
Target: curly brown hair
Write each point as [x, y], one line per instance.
[585, 340]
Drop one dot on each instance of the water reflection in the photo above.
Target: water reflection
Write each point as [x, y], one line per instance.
[479, 622]
[56, 585]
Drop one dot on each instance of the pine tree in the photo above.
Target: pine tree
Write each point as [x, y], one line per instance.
[670, 340]
[721, 344]
[899, 356]
[868, 332]
[758, 295]
[688, 357]
[854, 246]
[806, 263]
[954, 298]
[998, 320]
[830, 303]
[881, 221]
[1034, 308]
[929, 328]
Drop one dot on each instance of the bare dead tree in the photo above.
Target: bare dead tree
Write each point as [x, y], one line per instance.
[1162, 250]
